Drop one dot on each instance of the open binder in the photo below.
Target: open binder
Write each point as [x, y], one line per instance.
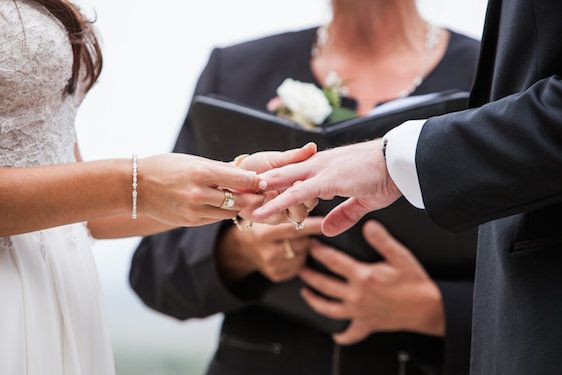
[223, 129]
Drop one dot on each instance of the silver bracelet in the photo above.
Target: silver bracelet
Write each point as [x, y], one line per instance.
[134, 212]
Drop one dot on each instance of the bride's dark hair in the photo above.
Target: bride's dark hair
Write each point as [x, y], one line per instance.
[85, 47]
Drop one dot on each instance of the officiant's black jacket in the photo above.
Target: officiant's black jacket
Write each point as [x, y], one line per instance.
[507, 159]
[176, 273]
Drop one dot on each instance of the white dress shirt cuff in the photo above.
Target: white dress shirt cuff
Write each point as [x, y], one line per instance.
[401, 146]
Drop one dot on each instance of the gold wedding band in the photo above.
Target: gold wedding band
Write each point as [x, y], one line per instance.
[289, 252]
[228, 202]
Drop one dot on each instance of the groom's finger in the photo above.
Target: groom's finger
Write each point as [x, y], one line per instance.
[343, 217]
[265, 161]
[293, 156]
[232, 178]
[284, 177]
[293, 196]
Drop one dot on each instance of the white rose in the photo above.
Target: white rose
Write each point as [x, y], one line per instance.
[305, 100]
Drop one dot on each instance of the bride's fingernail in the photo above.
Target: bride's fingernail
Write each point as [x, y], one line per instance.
[263, 185]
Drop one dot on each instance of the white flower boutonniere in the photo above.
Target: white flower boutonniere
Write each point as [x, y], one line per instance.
[304, 103]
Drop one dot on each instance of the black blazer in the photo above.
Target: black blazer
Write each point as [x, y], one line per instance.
[175, 272]
[506, 155]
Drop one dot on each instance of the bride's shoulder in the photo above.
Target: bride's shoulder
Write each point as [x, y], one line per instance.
[36, 54]
[28, 21]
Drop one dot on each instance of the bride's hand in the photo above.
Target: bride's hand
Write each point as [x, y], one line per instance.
[185, 190]
[261, 162]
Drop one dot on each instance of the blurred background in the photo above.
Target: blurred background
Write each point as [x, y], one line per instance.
[154, 52]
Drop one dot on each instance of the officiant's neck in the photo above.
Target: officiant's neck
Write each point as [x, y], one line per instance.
[376, 26]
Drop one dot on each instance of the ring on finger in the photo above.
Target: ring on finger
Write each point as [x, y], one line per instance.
[289, 251]
[298, 225]
[228, 202]
[241, 223]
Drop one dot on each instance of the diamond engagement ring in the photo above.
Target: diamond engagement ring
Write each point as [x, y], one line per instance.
[228, 202]
[298, 225]
[242, 224]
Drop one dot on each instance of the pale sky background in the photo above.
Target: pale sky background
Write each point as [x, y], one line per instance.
[154, 52]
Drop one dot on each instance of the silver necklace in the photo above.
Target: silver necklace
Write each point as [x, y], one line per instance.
[432, 36]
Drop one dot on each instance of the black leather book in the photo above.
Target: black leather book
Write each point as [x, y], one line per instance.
[224, 129]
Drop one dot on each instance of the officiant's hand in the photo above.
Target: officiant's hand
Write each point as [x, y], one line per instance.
[264, 161]
[357, 171]
[276, 251]
[393, 295]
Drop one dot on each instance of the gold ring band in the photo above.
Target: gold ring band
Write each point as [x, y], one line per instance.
[228, 202]
[289, 251]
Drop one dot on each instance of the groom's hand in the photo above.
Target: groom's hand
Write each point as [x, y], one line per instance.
[357, 172]
[261, 162]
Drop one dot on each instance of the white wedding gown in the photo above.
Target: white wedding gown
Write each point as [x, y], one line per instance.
[51, 313]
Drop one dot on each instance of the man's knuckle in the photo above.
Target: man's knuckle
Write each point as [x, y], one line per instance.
[198, 173]
[364, 278]
[354, 298]
[295, 191]
[196, 194]
[374, 278]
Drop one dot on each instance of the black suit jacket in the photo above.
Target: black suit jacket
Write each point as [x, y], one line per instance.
[506, 155]
[175, 272]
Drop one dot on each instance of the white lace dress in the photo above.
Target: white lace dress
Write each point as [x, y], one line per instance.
[51, 313]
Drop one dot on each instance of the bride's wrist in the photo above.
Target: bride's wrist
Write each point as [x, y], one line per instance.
[120, 181]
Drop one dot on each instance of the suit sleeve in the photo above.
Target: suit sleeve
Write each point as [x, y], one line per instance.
[457, 302]
[494, 161]
[176, 272]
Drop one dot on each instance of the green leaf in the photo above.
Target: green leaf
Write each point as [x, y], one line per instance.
[341, 114]
[332, 94]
